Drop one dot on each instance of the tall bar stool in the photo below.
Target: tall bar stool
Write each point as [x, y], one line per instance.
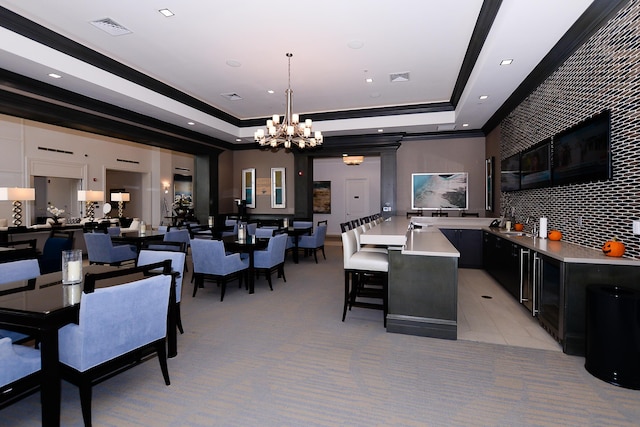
[365, 276]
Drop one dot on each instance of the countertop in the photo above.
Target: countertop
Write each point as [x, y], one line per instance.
[563, 251]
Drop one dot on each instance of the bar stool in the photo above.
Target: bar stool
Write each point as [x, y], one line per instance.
[365, 276]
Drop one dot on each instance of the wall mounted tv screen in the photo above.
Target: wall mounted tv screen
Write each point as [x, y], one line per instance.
[510, 173]
[582, 153]
[535, 166]
[439, 191]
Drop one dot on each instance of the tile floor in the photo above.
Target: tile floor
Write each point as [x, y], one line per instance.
[500, 319]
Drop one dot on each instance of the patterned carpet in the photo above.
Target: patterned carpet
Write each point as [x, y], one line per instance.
[284, 358]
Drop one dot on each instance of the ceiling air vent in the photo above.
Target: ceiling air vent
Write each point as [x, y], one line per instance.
[399, 77]
[110, 26]
[231, 96]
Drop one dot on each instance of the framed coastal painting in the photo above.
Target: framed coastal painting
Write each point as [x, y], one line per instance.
[278, 188]
[439, 191]
[249, 187]
[322, 197]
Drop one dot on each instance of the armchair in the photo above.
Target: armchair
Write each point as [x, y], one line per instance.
[150, 256]
[51, 258]
[117, 327]
[272, 258]
[101, 250]
[210, 260]
[314, 241]
[19, 376]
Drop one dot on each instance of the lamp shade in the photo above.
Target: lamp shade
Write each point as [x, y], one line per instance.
[17, 193]
[120, 197]
[90, 196]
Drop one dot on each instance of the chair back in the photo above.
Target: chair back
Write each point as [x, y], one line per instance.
[274, 253]
[98, 246]
[264, 232]
[150, 256]
[208, 256]
[113, 231]
[349, 246]
[251, 228]
[113, 322]
[23, 269]
[51, 258]
[302, 224]
[177, 236]
[321, 234]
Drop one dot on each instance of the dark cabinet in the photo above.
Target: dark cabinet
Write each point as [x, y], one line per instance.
[502, 259]
[469, 244]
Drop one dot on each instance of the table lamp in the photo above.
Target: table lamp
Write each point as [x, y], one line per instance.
[120, 198]
[89, 197]
[17, 195]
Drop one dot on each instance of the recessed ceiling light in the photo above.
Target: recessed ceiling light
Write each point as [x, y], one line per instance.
[233, 63]
[484, 96]
[506, 62]
[166, 12]
[464, 125]
[380, 130]
[270, 91]
[55, 76]
[238, 140]
[368, 80]
[190, 123]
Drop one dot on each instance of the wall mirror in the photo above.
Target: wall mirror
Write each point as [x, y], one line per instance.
[278, 188]
[249, 187]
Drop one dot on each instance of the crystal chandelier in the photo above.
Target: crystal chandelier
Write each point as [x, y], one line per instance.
[291, 131]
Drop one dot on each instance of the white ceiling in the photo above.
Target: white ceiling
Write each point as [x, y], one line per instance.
[336, 44]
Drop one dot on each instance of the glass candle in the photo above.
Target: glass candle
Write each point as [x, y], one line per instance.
[72, 266]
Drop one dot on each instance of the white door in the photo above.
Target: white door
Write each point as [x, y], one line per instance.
[357, 194]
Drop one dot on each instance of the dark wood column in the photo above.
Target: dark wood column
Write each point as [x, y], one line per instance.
[206, 177]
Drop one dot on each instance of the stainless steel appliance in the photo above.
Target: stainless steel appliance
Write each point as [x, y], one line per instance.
[548, 285]
[528, 292]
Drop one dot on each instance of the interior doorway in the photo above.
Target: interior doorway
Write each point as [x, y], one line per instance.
[357, 198]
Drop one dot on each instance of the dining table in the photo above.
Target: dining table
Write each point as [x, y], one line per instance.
[248, 246]
[138, 238]
[41, 306]
[296, 232]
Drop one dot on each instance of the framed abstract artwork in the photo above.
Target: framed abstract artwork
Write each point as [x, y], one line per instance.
[249, 187]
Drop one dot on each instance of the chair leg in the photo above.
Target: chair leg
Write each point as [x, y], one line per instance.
[85, 401]
[323, 255]
[315, 255]
[223, 288]
[268, 274]
[161, 349]
[346, 294]
[281, 272]
[179, 319]
[198, 283]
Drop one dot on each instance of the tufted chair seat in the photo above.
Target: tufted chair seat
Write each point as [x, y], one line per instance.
[365, 276]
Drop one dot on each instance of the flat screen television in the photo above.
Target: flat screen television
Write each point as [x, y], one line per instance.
[510, 173]
[439, 191]
[535, 166]
[582, 153]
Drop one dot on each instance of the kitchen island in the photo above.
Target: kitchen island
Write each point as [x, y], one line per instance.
[423, 275]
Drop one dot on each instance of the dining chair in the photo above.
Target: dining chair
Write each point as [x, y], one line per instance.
[20, 372]
[211, 261]
[101, 250]
[314, 242]
[365, 276]
[14, 271]
[51, 258]
[251, 228]
[302, 224]
[150, 256]
[264, 232]
[115, 331]
[230, 223]
[272, 258]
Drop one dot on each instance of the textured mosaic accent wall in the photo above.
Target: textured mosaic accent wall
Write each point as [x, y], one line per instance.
[604, 73]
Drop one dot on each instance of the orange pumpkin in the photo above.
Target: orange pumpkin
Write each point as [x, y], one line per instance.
[554, 235]
[518, 226]
[613, 248]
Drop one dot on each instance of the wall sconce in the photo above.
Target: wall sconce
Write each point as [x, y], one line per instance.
[90, 197]
[17, 195]
[120, 198]
[165, 185]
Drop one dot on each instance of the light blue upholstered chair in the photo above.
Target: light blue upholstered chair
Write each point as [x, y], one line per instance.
[150, 256]
[230, 223]
[272, 258]
[51, 258]
[314, 242]
[19, 371]
[210, 260]
[113, 231]
[14, 271]
[251, 228]
[264, 232]
[302, 224]
[100, 250]
[117, 326]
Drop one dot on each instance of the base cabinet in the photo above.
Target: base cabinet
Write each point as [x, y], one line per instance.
[468, 243]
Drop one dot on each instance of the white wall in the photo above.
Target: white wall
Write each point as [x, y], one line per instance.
[334, 170]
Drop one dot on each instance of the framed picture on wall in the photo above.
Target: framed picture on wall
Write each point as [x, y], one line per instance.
[439, 191]
[249, 187]
[278, 188]
[322, 197]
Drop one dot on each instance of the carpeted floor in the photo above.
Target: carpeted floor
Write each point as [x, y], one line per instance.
[284, 358]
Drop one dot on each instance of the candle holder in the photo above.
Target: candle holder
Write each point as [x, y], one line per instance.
[72, 266]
